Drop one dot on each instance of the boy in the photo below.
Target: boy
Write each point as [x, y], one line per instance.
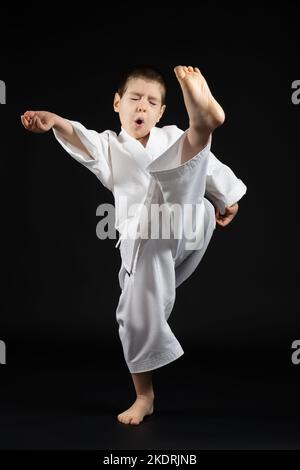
[151, 165]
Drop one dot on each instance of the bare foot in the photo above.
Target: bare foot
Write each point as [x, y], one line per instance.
[202, 108]
[142, 406]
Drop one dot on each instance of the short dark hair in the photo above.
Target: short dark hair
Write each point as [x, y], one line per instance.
[147, 72]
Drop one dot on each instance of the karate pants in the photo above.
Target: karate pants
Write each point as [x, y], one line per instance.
[148, 294]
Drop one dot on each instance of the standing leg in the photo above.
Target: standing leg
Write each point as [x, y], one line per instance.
[145, 304]
[143, 404]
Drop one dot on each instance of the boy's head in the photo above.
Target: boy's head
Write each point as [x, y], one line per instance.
[140, 100]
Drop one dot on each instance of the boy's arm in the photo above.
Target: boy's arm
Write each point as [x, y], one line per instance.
[224, 189]
[86, 146]
[42, 121]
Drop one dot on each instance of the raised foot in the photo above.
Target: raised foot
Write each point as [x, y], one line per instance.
[202, 108]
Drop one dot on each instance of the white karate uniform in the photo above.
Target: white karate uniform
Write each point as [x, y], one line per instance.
[152, 268]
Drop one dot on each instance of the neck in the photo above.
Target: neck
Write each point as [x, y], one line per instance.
[144, 140]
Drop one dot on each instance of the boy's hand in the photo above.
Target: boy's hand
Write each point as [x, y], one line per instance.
[230, 213]
[38, 121]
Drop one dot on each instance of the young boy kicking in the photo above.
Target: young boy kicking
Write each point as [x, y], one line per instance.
[146, 165]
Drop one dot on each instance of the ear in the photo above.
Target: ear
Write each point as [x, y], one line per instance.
[117, 99]
[162, 110]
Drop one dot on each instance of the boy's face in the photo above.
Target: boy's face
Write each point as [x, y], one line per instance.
[140, 107]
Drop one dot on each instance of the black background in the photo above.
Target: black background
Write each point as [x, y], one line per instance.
[236, 317]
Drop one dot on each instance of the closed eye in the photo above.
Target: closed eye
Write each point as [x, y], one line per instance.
[151, 102]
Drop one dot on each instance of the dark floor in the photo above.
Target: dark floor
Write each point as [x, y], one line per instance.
[204, 400]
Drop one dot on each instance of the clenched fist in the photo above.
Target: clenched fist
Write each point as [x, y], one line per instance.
[230, 213]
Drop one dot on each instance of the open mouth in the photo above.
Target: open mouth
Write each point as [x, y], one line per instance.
[139, 122]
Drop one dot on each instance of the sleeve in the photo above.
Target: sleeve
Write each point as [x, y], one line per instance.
[223, 188]
[98, 146]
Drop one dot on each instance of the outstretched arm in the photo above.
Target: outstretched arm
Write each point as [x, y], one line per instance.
[42, 121]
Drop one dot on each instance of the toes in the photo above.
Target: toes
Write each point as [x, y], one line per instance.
[128, 419]
[179, 71]
[182, 71]
[135, 420]
[124, 420]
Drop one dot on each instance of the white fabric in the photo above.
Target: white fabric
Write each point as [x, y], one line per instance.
[127, 168]
[147, 300]
[152, 269]
[148, 293]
